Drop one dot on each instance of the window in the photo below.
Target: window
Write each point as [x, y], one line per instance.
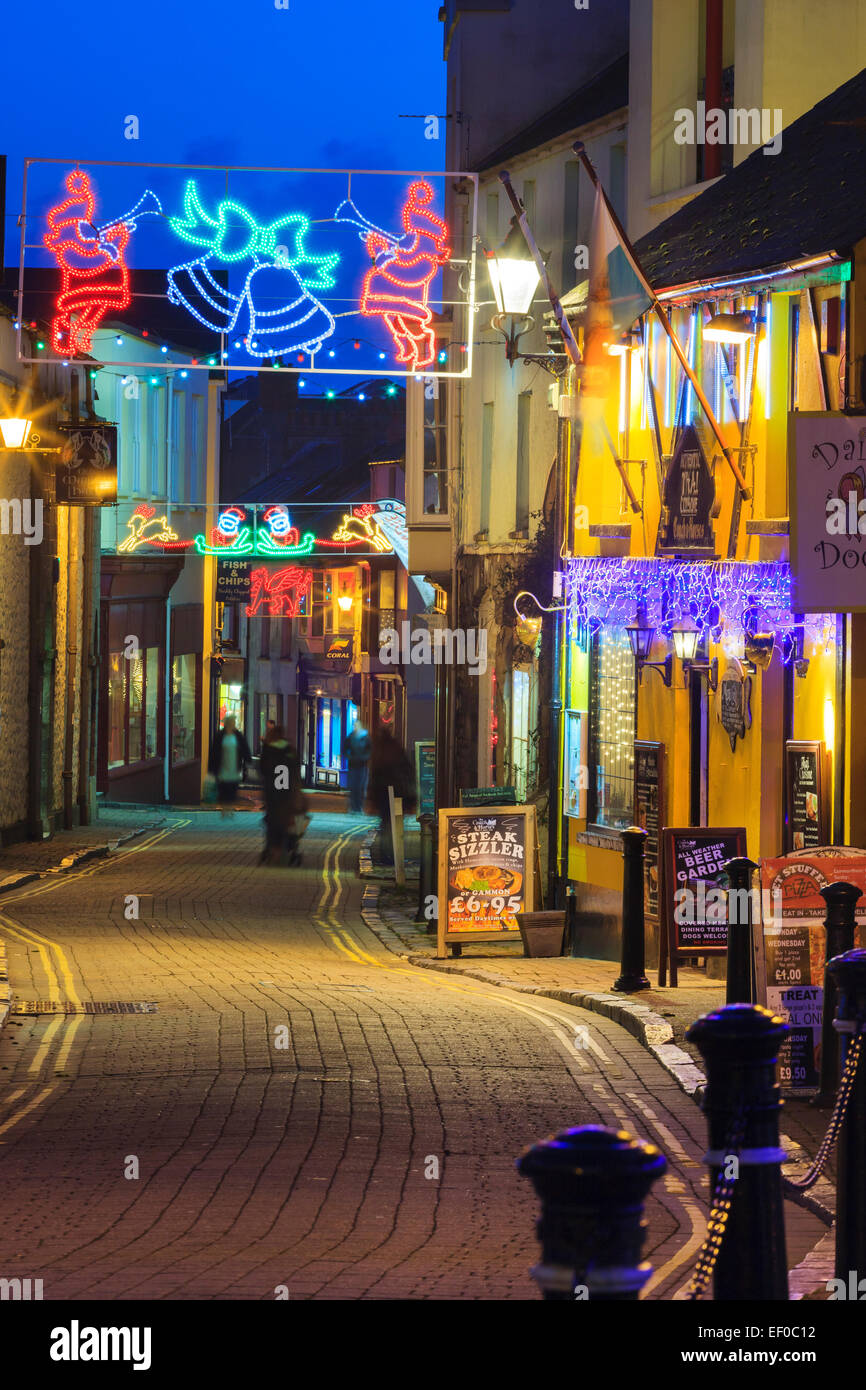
[157, 454]
[264, 636]
[133, 707]
[617, 180]
[491, 225]
[183, 708]
[486, 465]
[521, 508]
[435, 458]
[570, 233]
[317, 618]
[387, 599]
[529, 201]
[523, 717]
[196, 449]
[794, 369]
[179, 451]
[612, 728]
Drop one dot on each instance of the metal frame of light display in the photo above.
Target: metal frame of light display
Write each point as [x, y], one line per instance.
[724, 599]
[266, 531]
[281, 271]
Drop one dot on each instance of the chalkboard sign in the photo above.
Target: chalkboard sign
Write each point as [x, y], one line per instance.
[806, 824]
[488, 796]
[649, 811]
[694, 924]
[425, 777]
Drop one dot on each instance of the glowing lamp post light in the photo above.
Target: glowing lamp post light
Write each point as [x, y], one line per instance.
[640, 636]
[514, 279]
[730, 328]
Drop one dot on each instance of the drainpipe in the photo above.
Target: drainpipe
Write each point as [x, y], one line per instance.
[166, 762]
[71, 648]
[713, 80]
[554, 883]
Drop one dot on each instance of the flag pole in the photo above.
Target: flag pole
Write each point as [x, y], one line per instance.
[564, 326]
[580, 150]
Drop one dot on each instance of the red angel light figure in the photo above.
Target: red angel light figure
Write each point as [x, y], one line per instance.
[398, 285]
[95, 277]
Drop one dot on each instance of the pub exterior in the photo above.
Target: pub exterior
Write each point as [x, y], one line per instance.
[701, 689]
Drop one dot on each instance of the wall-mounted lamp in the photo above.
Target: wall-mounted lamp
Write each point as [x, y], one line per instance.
[686, 636]
[528, 629]
[15, 431]
[345, 601]
[640, 636]
[514, 278]
[629, 342]
[730, 328]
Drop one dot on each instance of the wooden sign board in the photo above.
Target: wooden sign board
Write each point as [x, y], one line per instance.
[807, 811]
[649, 811]
[692, 857]
[486, 873]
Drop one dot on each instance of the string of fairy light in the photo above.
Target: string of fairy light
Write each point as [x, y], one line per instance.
[724, 599]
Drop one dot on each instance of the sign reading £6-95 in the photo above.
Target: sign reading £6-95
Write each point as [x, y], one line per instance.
[827, 473]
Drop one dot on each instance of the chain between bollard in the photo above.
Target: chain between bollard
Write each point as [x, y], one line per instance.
[843, 1095]
[717, 1221]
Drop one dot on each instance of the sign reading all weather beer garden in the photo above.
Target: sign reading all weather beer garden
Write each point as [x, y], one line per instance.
[486, 872]
[694, 916]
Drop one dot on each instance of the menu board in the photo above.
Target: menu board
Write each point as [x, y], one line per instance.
[692, 858]
[425, 776]
[486, 866]
[649, 811]
[806, 825]
[794, 946]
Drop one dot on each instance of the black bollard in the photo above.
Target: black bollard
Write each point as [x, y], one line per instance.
[848, 973]
[633, 960]
[426, 881]
[840, 925]
[592, 1183]
[740, 975]
[740, 1044]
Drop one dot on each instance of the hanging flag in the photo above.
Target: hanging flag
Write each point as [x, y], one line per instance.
[616, 298]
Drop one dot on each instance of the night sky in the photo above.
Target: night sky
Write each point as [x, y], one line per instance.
[224, 83]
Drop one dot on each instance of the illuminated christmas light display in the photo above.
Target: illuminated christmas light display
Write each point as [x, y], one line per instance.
[278, 595]
[275, 272]
[94, 273]
[146, 528]
[725, 599]
[267, 530]
[397, 286]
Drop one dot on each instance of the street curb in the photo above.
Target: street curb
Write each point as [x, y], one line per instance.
[650, 1029]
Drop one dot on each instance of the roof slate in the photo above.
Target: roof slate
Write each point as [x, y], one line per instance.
[808, 199]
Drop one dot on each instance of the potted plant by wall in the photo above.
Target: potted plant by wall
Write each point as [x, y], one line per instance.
[541, 932]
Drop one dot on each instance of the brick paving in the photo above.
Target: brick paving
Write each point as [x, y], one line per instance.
[283, 1113]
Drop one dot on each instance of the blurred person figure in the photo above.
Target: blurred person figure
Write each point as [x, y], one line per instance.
[390, 766]
[356, 748]
[280, 769]
[229, 756]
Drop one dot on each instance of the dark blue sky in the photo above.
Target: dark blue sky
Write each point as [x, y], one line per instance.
[234, 82]
[224, 82]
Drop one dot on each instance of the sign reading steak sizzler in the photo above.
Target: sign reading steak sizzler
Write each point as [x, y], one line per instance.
[485, 870]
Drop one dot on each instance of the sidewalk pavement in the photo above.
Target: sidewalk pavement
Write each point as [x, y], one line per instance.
[27, 860]
[658, 1018]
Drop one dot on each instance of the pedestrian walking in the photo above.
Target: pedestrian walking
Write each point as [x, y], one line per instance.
[229, 756]
[357, 748]
[390, 766]
[285, 803]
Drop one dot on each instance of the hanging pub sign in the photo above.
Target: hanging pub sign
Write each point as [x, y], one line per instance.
[686, 526]
[793, 950]
[233, 581]
[649, 809]
[486, 873]
[694, 918]
[338, 653]
[733, 701]
[488, 796]
[87, 465]
[828, 511]
[807, 818]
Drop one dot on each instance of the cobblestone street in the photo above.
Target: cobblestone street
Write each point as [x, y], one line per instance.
[303, 1108]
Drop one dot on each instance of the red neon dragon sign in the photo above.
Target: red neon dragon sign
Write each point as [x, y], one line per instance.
[278, 595]
[95, 276]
